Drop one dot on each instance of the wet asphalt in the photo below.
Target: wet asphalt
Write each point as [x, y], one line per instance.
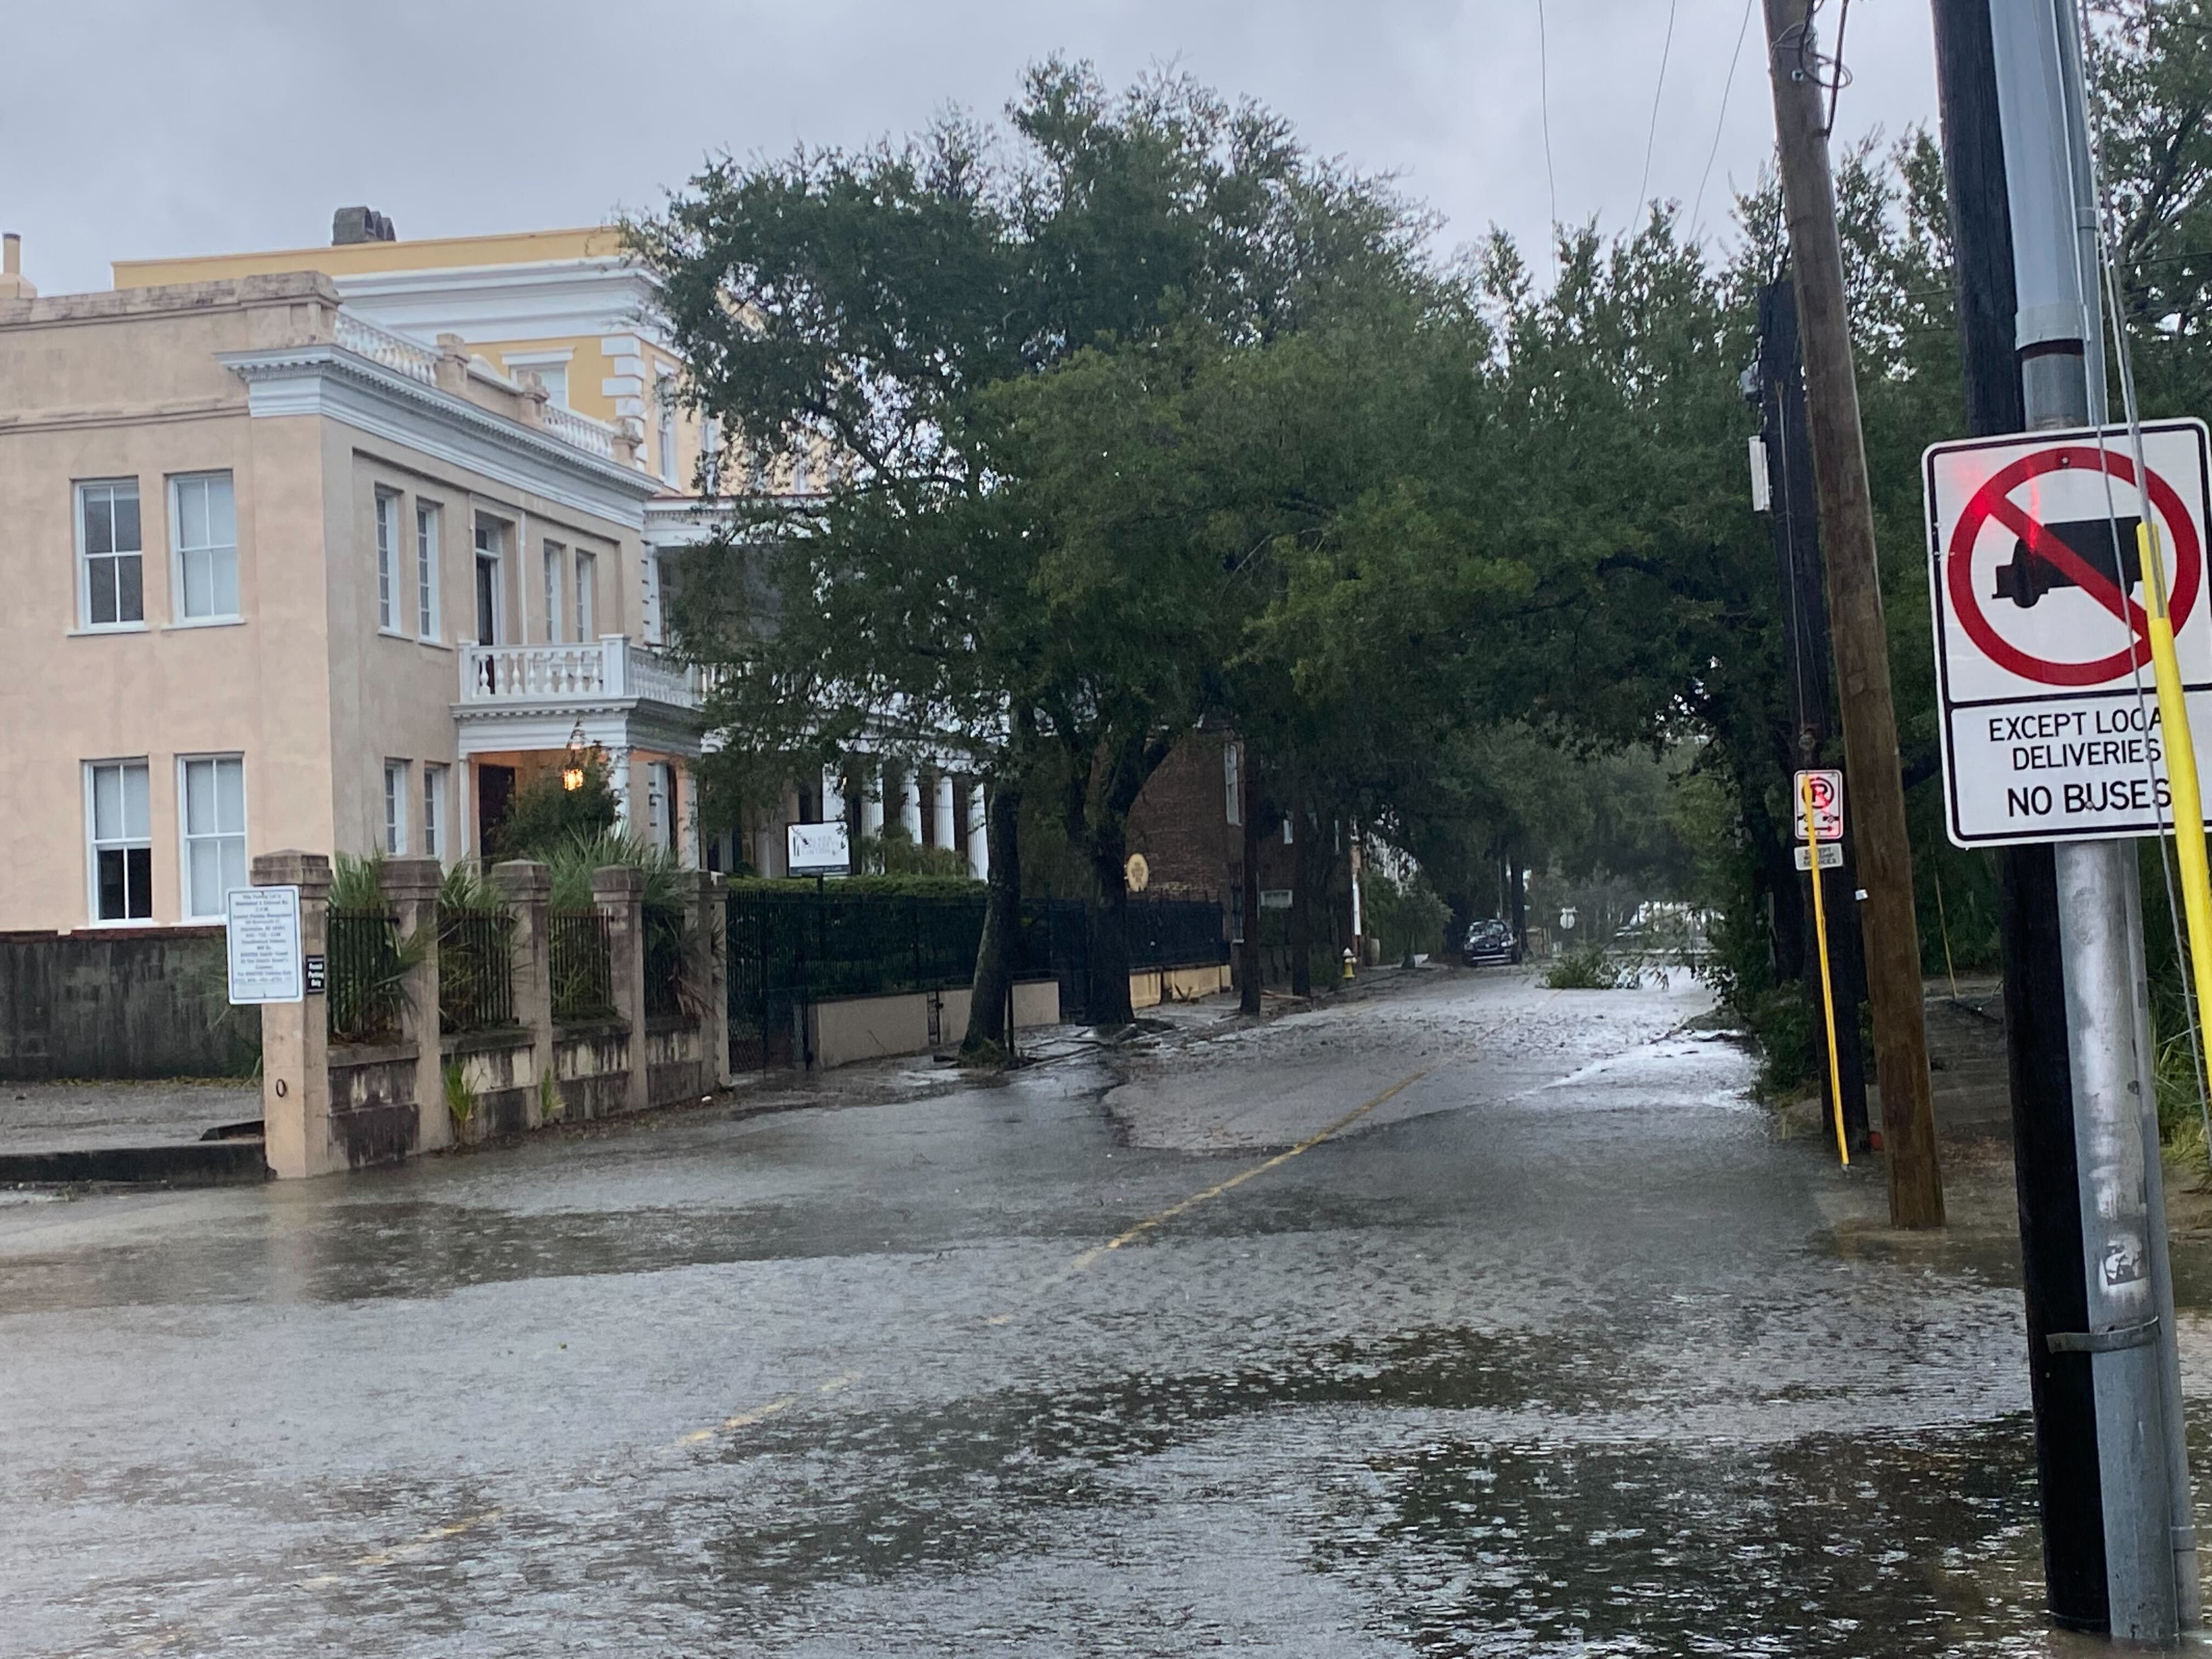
[1464, 1318]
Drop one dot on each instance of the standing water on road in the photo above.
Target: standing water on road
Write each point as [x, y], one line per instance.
[1457, 1317]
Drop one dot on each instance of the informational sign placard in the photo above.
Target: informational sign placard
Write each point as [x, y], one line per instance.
[263, 927]
[1274, 898]
[1827, 790]
[818, 850]
[2050, 722]
[1832, 855]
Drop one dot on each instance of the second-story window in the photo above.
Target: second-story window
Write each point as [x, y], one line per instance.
[395, 807]
[553, 585]
[203, 518]
[388, 561]
[586, 575]
[664, 398]
[111, 557]
[426, 570]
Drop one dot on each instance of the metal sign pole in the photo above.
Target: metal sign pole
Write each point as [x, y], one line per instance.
[2047, 173]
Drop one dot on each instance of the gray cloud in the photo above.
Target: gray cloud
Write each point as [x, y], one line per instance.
[132, 130]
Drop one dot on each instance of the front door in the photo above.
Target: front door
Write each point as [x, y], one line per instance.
[495, 795]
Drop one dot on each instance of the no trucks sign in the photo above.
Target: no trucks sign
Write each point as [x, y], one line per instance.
[2050, 719]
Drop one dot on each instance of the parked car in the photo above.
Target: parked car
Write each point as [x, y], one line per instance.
[1490, 943]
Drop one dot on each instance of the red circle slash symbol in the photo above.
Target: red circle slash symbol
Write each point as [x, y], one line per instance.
[1993, 501]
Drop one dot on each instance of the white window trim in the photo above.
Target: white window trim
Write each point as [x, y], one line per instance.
[518, 361]
[586, 583]
[185, 838]
[501, 630]
[429, 618]
[436, 815]
[395, 808]
[387, 591]
[553, 565]
[176, 617]
[84, 622]
[92, 918]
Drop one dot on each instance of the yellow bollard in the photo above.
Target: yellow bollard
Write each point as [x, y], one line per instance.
[2180, 770]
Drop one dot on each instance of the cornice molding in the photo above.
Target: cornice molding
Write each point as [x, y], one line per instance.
[331, 382]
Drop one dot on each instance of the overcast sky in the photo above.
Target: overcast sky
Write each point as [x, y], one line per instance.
[137, 129]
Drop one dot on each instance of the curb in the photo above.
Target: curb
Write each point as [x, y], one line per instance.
[182, 1163]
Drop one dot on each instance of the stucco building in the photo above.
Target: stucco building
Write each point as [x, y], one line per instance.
[280, 574]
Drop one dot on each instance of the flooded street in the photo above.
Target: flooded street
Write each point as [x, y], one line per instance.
[1461, 1318]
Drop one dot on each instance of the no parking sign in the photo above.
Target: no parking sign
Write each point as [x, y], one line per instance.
[2050, 718]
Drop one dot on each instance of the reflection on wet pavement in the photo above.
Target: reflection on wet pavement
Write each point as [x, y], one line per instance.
[1565, 1353]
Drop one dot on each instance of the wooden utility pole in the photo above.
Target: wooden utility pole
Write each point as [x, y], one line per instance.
[1873, 782]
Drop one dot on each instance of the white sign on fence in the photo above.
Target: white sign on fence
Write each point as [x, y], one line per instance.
[818, 850]
[2050, 723]
[263, 927]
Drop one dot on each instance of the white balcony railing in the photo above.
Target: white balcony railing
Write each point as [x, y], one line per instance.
[395, 351]
[592, 437]
[519, 675]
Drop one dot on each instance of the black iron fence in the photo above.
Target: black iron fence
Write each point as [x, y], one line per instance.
[583, 966]
[367, 990]
[475, 970]
[788, 949]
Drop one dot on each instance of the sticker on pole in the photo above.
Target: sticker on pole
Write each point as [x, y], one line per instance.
[2050, 722]
[1825, 790]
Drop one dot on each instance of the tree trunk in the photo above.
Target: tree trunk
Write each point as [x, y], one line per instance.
[1301, 908]
[1248, 956]
[999, 956]
[1107, 914]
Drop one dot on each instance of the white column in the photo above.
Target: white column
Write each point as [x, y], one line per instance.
[833, 794]
[910, 804]
[978, 837]
[941, 813]
[618, 777]
[871, 799]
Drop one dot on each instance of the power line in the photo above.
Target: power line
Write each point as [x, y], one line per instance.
[1544, 103]
[1727, 87]
[1651, 138]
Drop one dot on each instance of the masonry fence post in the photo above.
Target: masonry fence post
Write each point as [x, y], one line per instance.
[710, 972]
[410, 888]
[527, 887]
[295, 1036]
[618, 891]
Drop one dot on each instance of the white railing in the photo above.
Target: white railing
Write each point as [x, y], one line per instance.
[592, 437]
[609, 667]
[395, 351]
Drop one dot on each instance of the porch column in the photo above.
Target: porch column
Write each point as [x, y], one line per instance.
[910, 804]
[687, 825]
[978, 837]
[941, 803]
[618, 893]
[410, 888]
[295, 1036]
[872, 798]
[833, 794]
[527, 887]
[618, 777]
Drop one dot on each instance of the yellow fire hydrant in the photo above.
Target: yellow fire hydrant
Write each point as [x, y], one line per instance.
[1348, 961]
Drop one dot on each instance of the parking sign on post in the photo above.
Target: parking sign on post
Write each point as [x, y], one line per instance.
[2050, 723]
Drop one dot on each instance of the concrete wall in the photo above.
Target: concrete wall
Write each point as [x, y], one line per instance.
[374, 1113]
[499, 1068]
[874, 1028]
[136, 1004]
[1153, 987]
[591, 1069]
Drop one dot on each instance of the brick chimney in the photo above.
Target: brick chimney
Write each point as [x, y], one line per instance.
[360, 224]
[12, 284]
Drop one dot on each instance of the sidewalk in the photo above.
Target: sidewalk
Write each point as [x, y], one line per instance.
[127, 1131]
